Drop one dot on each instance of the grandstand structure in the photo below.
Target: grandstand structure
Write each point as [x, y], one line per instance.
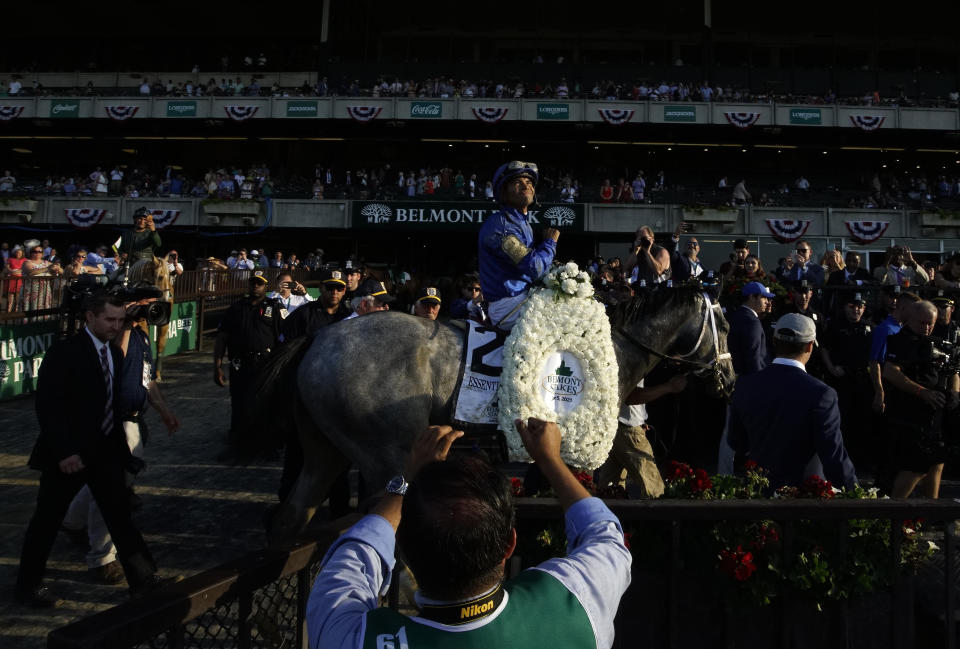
[837, 102]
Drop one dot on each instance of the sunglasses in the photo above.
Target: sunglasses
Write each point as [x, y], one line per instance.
[519, 164]
[803, 249]
[475, 289]
[36, 252]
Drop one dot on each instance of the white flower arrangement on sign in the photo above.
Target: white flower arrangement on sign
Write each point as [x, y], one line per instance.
[559, 365]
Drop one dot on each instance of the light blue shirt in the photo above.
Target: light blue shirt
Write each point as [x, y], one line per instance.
[358, 567]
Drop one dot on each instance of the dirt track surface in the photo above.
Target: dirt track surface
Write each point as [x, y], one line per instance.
[197, 512]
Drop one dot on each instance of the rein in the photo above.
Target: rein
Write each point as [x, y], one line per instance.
[683, 359]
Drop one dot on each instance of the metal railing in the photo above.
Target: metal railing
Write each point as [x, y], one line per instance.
[260, 599]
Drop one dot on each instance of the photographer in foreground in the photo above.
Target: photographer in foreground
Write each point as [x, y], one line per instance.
[920, 383]
[455, 525]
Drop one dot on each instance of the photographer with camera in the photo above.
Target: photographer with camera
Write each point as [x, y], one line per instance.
[649, 261]
[138, 387]
[291, 294]
[81, 442]
[920, 385]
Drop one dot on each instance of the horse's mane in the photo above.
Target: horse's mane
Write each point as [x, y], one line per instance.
[647, 301]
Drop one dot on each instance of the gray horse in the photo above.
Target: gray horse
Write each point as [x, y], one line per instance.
[368, 385]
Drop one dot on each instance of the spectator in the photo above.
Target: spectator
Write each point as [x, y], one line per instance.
[13, 271]
[289, 293]
[7, 182]
[802, 184]
[900, 268]
[606, 191]
[740, 194]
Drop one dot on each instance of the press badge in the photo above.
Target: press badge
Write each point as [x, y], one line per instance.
[147, 371]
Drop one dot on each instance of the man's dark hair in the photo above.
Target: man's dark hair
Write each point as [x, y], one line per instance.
[97, 302]
[788, 348]
[456, 526]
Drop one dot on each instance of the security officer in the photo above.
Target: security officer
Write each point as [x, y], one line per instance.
[428, 303]
[845, 354]
[248, 332]
[918, 391]
[945, 329]
[801, 296]
[330, 308]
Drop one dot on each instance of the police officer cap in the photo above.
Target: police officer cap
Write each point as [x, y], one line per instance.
[795, 328]
[942, 299]
[428, 293]
[892, 289]
[333, 276]
[258, 276]
[375, 289]
[857, 299]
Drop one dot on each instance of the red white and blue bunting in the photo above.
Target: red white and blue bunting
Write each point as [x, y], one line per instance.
[868, 122]
[241, 113]
[121, 113]
[10, 112]
[867, 231]
[489, 114]
[786, 231]
[364, 113]
[164, 218]
[742, 120]
[83, 218]
[616, 116]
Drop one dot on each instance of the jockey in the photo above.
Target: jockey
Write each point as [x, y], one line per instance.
[509, 263]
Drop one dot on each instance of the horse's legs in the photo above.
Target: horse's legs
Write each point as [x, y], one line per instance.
[322, 463]
[161, 345]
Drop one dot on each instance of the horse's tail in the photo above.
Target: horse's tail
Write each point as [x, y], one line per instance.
[276, 381]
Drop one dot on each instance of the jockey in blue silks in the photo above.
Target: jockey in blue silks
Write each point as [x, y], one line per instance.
[509, 262]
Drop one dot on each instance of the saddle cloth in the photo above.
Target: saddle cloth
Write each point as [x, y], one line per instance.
[475, 404]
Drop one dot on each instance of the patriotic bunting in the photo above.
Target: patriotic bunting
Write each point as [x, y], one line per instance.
[867, 231]
[121, 113]
[364, 113]
[84, 218]
[868, 122]
[163, 218]
[742, 120]
[787, 231]
[489, 114]
[615, 116]
[241, 113]
[10, 112]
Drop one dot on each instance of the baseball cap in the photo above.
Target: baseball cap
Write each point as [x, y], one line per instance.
[333, 276]
[428, 293]
[755, 288]
[257, 276]
[795, 328]
[376, 289]
[254, 253]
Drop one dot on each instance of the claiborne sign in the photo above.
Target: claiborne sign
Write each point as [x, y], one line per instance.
[805, 116]
[553, 111]
[63, 109]
[22, 348]
[466, 216]
[426, 109]
[301, 109]
[181, 109]
[679, 113]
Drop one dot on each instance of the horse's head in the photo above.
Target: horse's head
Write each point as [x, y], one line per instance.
[682, 325]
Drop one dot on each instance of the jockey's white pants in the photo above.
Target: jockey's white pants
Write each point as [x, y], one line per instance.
[505, 311]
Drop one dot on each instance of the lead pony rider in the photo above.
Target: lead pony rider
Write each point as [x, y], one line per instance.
[509, 262]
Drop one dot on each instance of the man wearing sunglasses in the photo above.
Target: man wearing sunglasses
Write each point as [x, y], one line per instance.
[804, 267]
[509, 261]
[330, 308]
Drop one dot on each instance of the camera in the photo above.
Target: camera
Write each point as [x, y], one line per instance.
[155, 313]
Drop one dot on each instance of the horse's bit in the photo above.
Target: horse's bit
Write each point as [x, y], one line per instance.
[702, 369]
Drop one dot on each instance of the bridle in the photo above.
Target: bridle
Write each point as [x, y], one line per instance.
[701, 368]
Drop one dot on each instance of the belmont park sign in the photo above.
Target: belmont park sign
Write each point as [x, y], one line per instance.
[430, 215]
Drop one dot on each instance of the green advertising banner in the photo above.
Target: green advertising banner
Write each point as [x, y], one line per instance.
[182, 332]
[64, 109]
[426, 109]
[465, 217]
[301, 109]
[679, 113]
[553, 111]
[805, 116]
[181, 109]
[22, 347]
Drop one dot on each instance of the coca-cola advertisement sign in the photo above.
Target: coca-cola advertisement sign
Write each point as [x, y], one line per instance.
[426, 109]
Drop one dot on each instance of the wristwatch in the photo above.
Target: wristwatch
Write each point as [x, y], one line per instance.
[397, 485]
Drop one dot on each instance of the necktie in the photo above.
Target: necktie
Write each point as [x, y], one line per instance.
[107, 423]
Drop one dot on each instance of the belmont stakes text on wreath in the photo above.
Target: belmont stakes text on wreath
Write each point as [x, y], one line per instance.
[456, 216]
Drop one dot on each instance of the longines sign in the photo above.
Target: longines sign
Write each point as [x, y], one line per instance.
[466, 216]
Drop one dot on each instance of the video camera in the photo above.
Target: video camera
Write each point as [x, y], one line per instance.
[155, 313]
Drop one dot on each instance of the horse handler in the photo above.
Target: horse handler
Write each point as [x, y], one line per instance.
[455, 524]
[509, 262]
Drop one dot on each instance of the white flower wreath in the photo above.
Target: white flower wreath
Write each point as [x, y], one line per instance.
[559, 365]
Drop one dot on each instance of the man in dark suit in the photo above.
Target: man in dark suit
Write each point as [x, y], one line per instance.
[805, 267]
[81, 442]
[852, 274]
[787, 421]
[687, 265]
[746, 340]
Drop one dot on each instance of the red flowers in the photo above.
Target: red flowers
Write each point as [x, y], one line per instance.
[737, 563]
[678, 471]
[700, 482]
[516, 487]
[816, 487]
